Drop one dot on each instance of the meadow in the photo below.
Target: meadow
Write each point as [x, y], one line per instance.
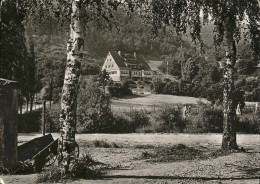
[152, 102]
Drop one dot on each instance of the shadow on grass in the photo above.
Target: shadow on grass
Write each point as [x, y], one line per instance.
[179, 152]
[128, 97]
[179, 177]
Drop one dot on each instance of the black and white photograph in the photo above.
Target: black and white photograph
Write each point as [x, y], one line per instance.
[130, 91]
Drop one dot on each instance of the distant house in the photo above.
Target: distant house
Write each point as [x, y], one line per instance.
[124, 66]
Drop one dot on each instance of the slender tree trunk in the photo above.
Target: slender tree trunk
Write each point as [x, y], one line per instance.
[70, 88]
[31, 103]
[51, 92]
[27, 104]
[229, 111]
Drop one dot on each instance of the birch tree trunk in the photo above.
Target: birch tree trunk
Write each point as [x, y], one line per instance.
[69, 92]
[229, 131]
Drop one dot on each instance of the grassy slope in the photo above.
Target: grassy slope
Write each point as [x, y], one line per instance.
[152, 101]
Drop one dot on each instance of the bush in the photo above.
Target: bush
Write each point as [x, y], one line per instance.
[84, 168]
[52, 118]
[157, 85]
[140, 83]
[25, 167]
[87, 168]
[119, 91]
[170, 119]
[29, 121]
[94, 109]
[208, 120]
[248, 123]
[128, 122]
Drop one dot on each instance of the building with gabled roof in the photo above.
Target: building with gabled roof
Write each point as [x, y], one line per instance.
[124, 66]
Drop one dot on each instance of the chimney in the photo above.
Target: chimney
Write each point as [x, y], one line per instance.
[119, 53]
[135, 54]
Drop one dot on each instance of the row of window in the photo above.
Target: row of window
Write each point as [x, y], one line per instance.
[113, 72]
[109, 60]
[137, 73]
[124, 72]
[108, 66]
[147, 73]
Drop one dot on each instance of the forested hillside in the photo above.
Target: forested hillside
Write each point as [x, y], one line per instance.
[129, 33]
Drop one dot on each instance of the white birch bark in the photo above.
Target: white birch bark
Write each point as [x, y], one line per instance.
[229, 111]
[70, 88]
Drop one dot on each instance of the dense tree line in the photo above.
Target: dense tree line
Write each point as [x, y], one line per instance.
[17, 54]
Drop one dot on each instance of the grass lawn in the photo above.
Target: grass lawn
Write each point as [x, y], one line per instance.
[152, 101]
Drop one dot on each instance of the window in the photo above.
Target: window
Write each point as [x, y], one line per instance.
[124, 72]
[108, 66]
[113, 72]
[147, 73]
[112, 65]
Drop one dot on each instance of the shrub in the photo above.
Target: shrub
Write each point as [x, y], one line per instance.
[128, 122]
[140, 83]
[94, 109]
[20, 168]
[87, 168]
[248, 123]
[52, 118]
[209, 119]
[157, 85]
[119, 91]
[30, 121]
[84, 168]
[170, 119]
[52, 175]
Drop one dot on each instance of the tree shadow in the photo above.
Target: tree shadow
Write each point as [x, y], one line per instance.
[178, 177]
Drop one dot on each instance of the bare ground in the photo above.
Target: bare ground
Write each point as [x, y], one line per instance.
[128, 165]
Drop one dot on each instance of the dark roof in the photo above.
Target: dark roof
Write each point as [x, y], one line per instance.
[118, 59]
[124, 58]
[143, 62]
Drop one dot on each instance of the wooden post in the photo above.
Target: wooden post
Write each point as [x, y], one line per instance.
[43, 116]
[8, 123]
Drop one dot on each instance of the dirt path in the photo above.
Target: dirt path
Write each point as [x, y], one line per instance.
[129, 167]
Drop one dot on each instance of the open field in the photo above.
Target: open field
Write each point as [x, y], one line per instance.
[128, 166]
[153, 101]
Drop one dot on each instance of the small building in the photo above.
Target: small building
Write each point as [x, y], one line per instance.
[124, 66]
